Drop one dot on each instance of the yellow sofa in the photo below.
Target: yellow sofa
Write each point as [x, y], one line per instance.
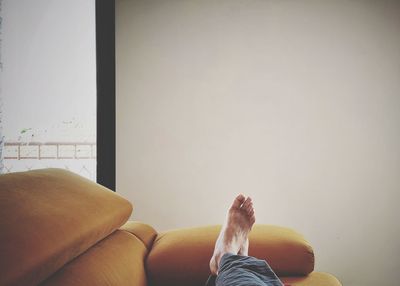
[57, 228]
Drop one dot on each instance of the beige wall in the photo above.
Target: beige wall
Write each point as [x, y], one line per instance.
[295, 103]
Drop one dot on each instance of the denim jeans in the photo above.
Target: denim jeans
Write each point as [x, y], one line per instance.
[237, 270]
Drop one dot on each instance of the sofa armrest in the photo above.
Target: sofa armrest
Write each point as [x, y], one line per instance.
[286, 250]
[181, 257]
[144, 232]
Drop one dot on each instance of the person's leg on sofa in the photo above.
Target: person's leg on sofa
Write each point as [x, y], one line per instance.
[230, 264]
[238, 270]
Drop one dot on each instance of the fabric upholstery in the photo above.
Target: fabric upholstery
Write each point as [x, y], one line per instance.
[48, 217]
[313, 279]
[144, 232]
[286, 251]
[181, 257]
[116, 260]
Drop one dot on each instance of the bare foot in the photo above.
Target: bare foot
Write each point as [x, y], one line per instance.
[233, 236]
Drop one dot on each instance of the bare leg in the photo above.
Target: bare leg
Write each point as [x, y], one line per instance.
[233, 237]
[244, 249]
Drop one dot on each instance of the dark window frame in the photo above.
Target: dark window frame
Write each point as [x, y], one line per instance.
[105, 65]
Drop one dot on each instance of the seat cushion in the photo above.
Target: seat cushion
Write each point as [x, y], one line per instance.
[181, 257]
[48, 217]
[116, 260]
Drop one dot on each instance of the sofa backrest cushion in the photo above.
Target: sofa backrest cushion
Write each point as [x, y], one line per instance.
[181, 257]
[48, 217]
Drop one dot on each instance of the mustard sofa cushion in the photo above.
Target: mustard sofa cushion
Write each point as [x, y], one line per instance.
[116, 260]
[142, 231]
[181, 257]
[48, 217]
[313, 279]
[286, 250]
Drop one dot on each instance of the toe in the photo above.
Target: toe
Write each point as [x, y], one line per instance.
[247, 203]
[248, 208]
[238, 201]
[253, 219]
